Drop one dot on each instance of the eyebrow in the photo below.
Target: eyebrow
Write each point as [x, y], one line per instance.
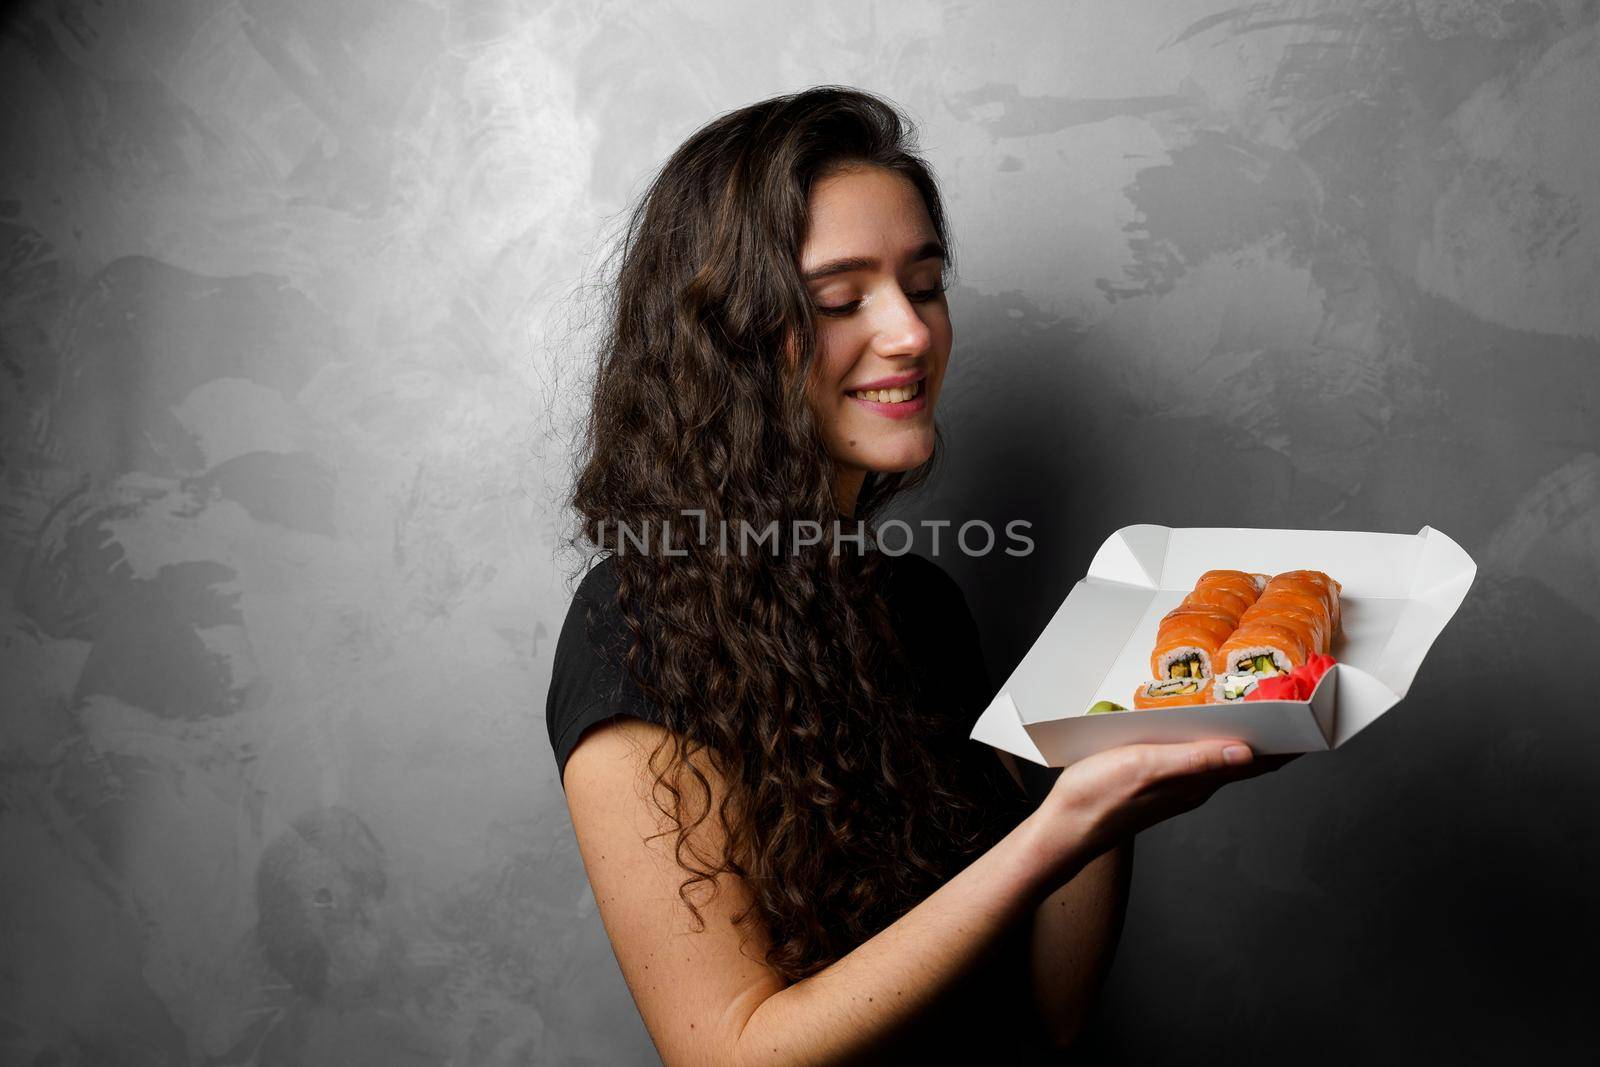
[929, 250]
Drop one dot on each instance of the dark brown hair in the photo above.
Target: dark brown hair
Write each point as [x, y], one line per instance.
[782, 669]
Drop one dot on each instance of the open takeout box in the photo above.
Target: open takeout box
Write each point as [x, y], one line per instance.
[1399, 591]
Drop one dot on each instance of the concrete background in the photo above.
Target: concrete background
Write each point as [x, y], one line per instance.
[292, 327]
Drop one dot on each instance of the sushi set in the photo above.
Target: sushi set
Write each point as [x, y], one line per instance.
[1274, 650]
[1234, 629]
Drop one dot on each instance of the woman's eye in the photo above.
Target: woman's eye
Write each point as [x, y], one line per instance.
[920, 296]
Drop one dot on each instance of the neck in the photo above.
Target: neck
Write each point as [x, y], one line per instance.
[847, 482]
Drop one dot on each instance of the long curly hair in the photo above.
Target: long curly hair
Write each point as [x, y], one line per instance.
[782, 668]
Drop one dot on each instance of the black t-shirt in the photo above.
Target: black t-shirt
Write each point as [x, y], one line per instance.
[936, 627]
[589, 685]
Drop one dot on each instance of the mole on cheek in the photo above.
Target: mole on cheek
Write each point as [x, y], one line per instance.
[852, 440]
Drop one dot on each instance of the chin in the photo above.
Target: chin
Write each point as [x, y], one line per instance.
[896, 460]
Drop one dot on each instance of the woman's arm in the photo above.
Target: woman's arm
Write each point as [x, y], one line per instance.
[1075, 931]
[704, 1000]
[1073, 936]
[1073, 940]
[708, 1000]
[858, 1009]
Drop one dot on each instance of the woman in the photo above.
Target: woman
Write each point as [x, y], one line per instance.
[761, 721]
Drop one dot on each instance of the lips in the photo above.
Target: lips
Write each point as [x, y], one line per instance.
[894, 381]
[894, 409]
[896, 395]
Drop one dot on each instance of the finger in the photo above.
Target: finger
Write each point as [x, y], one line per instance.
[1177, 760]
[1257, 767]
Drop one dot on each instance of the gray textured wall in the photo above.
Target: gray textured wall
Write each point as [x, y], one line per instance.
[290, 356]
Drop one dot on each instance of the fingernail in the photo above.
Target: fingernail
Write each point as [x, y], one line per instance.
[1236, 754]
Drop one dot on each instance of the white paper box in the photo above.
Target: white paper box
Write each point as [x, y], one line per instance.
[1399, 591]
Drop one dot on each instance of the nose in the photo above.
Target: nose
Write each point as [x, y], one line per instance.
[899, 330]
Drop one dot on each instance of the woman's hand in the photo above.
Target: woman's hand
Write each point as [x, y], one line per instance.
[1112, 795]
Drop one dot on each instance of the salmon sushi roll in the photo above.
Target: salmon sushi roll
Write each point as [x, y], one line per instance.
[1189, 635]
[1220, 595]
[1245, 585]
[1187, 642]
[1172, 693]
[1304, 630]
[1309, 618]
[1287, 594]
[1228, 688]
[1262, 647]
[1244, 579]
[1324, 586]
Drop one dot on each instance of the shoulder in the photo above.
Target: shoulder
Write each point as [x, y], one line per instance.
[589, 682]
[593, 619]
[598, 585]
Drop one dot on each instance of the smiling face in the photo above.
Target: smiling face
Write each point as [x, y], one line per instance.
[874, 266]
